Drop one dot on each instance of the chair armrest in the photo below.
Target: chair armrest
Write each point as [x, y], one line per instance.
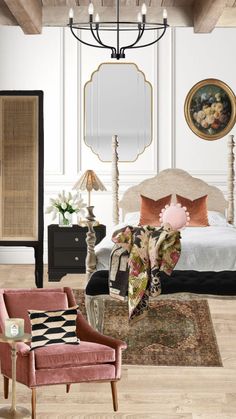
[86, 332]
[23, 349]
[25, 363]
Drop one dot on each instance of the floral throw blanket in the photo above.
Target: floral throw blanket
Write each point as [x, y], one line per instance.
[138, 256]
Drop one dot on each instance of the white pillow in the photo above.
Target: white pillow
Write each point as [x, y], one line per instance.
[216, 218]
[132, 218]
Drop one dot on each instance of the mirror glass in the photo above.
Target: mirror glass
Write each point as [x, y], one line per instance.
[118, 101]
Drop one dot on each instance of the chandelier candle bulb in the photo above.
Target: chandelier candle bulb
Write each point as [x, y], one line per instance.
[139, 17]
[91, 9]
[14, 328]
[71, 13]
[165, 16]
[71, 16]
[144, 9]
[97, 18]
[144, 12]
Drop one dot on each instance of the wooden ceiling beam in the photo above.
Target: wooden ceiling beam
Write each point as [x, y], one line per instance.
[167, 3]
[231, 3]
[69, 3]
[6, 17]
[58, 16]
[207, 14]
[28, 14]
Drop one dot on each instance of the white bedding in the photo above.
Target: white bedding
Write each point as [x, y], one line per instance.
[210, 248]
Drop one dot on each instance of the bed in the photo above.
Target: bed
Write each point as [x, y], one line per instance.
[208, 258]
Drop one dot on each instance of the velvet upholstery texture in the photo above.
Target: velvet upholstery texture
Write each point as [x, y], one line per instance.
[87, 353]
[150, 210]
[97, 358]
[197, 210]
[17, 304]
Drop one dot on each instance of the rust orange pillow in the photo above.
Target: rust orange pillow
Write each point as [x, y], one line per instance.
[197, 210]
[150, 210]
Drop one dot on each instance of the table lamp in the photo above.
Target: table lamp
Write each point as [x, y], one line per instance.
[89, 181]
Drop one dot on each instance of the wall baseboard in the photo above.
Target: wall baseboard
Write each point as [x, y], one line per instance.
[19, 255]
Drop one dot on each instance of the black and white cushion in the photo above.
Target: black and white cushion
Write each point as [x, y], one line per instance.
[53, 326]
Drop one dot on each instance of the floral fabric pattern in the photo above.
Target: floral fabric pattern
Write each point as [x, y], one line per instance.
[148, 250]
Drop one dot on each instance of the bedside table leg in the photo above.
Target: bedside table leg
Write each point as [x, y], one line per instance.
[13, 358]
[13, 411]
[38, 254]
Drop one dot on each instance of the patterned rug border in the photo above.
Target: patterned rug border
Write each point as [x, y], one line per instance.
[196, 349]
[214, 334]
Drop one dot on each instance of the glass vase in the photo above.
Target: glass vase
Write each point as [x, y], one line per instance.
[65, 221]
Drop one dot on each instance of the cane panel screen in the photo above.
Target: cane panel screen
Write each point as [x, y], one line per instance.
[19, 167]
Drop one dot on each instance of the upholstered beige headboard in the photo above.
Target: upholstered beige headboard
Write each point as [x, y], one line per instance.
[172, 181]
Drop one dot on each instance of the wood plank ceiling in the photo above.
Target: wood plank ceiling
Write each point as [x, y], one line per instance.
[203, 15]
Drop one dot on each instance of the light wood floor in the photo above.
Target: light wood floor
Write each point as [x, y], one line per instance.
[144, 392]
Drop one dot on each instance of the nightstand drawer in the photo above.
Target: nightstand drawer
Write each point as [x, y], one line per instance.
[73, 239]
[72, 258]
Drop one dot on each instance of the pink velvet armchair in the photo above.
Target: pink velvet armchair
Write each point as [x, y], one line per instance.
[96, 358]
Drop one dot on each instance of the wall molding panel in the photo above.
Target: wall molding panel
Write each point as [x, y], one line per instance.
[78, 104]
[61, 161]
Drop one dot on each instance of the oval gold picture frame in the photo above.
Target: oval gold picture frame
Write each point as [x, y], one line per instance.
[210, 109]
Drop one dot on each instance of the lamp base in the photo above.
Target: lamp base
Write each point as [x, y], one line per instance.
[90, 216]
[18, 412]
[84, 223]
[91, 241]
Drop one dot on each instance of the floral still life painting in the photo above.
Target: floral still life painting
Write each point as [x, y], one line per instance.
[210, 109]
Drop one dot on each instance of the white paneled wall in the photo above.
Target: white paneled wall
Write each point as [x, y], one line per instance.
[57, 64]
[197, 58]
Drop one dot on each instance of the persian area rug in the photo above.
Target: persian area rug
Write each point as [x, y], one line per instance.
[174, 332]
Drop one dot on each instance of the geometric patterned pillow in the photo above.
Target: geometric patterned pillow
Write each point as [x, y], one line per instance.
[53, 326]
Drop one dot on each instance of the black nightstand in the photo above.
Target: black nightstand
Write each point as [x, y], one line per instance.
[67, 249]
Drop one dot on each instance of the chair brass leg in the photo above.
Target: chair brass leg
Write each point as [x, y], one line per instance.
[114, 395]
[6, 387]
[67, 388]
[33, 403]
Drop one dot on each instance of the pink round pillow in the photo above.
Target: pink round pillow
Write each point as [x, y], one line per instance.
[175, 215]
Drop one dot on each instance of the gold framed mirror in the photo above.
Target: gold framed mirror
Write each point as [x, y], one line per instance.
[118, 101]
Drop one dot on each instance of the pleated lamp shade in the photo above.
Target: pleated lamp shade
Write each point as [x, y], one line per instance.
[89, 181]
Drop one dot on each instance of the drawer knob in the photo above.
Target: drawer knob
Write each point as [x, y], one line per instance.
[76, 258]
[76, 239]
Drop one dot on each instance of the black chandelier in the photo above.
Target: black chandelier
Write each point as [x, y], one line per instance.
[96, 27]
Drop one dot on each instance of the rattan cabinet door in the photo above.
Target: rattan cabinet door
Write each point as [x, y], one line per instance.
[19, 167]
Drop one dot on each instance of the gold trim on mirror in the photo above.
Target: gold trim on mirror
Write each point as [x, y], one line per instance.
[84, 119]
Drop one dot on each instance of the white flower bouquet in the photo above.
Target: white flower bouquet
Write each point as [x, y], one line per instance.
[65, 205]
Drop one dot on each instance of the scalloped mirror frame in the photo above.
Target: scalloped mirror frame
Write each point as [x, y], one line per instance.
[140, 144]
